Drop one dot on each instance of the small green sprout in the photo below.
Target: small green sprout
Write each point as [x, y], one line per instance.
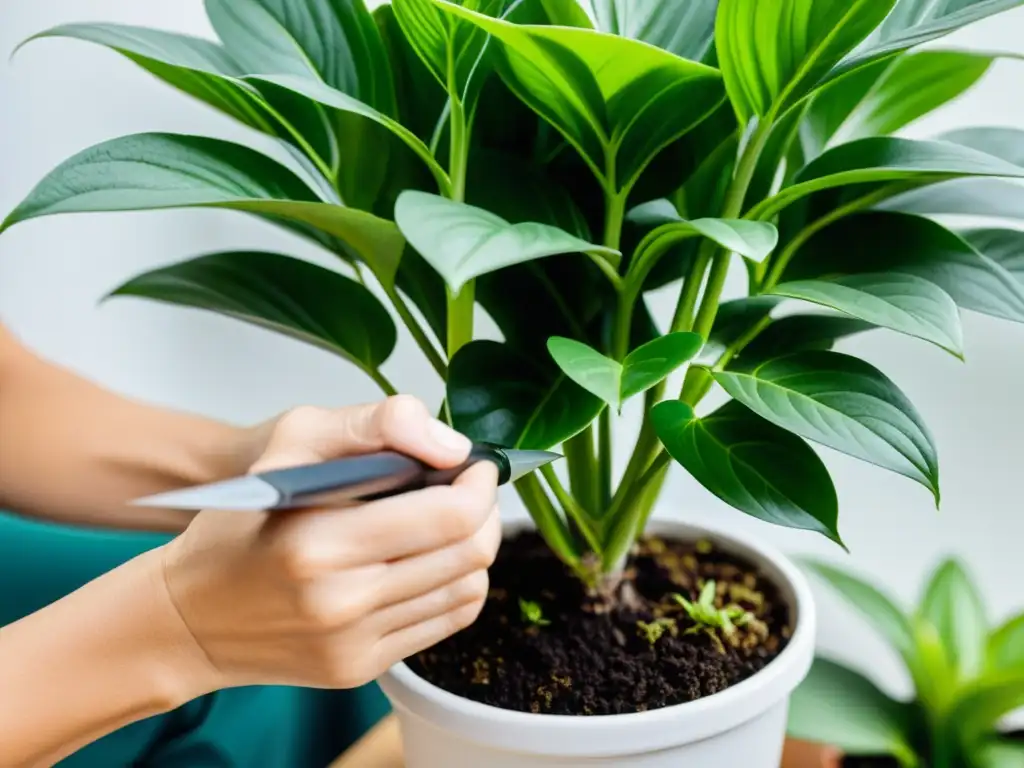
[652, 631]
[532, 613]
[710, 619]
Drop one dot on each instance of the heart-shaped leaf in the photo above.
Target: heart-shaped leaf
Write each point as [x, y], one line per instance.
[155, 171]
[901, 302]
[498, 395]
[991, 198]
[883, 158]
[837, 706]
[952, 605]
[283, 294]
[796, 333]
[463, 242]
[901, 243]
[841, 402]
[751, 464]
[685, 29]
[883, 614]
[772, 54]
[614, 99]
[616, 382]
[1005, 647]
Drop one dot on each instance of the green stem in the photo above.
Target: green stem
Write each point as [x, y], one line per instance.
[582, 467]
[329, 173]
[571, 507]
[382, 381]
[624, 524]
[549, 524]
[683, 318]
[460, 305]
[418, 334]
[460, 318]
[604, 458]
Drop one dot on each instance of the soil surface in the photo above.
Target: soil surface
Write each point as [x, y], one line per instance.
[578, 657]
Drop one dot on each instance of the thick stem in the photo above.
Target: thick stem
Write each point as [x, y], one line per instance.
[460, 318]
[571, 507]
[460, 305]
[582, 467]
[604, 458]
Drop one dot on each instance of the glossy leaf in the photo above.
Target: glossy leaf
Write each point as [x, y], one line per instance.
[884, 97]
[500, 396]
[883, 158]
[993, 198]
[1003, 246]
[772, 54]
[799, 332]
[841, 402]
[952, 605]
[462, 241]
[886, 618]
[751, 239]
[901, 243]
[901, 302]
[601, 91]
[283, 294]
[1005, 647]
[157, 171]
[616, 382]
[751, 464]
[1004, 143]
[837, 706]
[685, 29]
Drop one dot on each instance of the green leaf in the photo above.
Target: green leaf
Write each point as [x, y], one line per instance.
[1004, 143]
[884, 158]
[887, 619]
[500, 396]
[991, 198]
[901, 302]
[841, 402]
[611, 97]
[152, 171]
[685, 29]
[283, 294]
[880, 99]
[983, 702]
[751, 239]
[565, 13]
[796, 333]
[837, 706]
[1005, 647]
[751, 465]
[1005, 753]
[952, 605]
[915, 22]
[616, 382]
[773, 54]
[463, 242]
[905, 244]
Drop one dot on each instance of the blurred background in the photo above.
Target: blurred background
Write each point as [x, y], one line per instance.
[60, 96]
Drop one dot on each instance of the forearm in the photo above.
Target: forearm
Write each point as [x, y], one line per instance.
[113, 652]
[74, 451]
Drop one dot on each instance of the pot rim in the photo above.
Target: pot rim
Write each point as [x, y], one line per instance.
[669, 726]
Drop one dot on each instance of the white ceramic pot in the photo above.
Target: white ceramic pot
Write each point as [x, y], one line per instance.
[742, 726]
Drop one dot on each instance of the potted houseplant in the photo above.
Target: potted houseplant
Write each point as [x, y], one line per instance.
[553, 162]
[967, 675]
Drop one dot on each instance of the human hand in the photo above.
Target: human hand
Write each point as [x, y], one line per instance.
[332, 598]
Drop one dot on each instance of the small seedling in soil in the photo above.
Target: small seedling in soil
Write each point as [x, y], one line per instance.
[652, 631]
[709, 618]
[532, 613]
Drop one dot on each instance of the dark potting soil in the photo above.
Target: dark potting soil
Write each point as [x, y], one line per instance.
[583, 658]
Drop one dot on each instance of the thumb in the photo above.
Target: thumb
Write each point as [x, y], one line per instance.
[401, 423]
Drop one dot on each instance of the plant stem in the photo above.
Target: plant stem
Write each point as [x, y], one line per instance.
[683, 318]
[624, 524]
[571, 507]
[460, 305]
[418, 334]
[460, 318]
[382, 381]
[604, 458]
[548, 522]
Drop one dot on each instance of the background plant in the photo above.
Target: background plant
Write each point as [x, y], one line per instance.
[967, 675]
[552, 163]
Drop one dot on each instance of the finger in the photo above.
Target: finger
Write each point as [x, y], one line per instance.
[390, 529]
[401, 423]
[416, 576]
[471, 588]
[411, 640]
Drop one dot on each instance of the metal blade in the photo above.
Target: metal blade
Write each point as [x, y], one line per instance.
[525, 462]
[240, 493]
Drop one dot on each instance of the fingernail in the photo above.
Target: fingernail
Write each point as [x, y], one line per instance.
[447, 437]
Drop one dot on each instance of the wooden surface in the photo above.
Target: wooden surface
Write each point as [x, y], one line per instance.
[382, 748]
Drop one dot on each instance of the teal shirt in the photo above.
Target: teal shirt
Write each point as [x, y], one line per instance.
[259, 727]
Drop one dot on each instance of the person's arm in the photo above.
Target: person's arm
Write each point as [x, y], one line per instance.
[73, 451]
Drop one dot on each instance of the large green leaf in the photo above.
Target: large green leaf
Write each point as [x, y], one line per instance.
[751, 464]
[1005, 647]
[901, 243]
[952, 605]
[685, 29]
[1004, 246]
[611, 97]
[841, 402]
[799, 332]
[991, 198]
[883, 97]
[877, 608]
[982, 703]
[772, 54]
[616, 382]
[1001, 142]
[152, 171]
[915, 22]
[463, 242]
[283, 294]
[901, 302]
[500, 396]
[1002, 753]
[837, 706]
[883, 158]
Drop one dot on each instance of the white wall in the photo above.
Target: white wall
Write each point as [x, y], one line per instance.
[57, 97]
